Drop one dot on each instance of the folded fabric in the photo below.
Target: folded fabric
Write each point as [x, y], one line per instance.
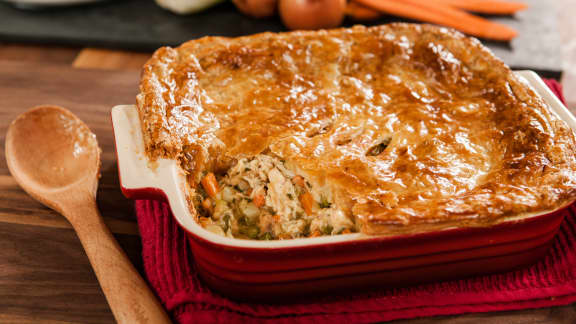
[170, 269]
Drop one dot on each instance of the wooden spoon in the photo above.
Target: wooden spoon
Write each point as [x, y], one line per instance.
[56, 159]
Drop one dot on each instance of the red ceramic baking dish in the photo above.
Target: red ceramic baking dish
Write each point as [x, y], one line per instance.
[250, 269]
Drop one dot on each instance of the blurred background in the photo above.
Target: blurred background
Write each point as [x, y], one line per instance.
[121, 34]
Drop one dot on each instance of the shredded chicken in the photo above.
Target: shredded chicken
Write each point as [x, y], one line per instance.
[260, 198]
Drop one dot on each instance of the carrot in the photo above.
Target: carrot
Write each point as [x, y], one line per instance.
[210, 184]
[316, 233]
[346, 231]
[299, 181]
[307, 202]
[494, 7]
[360, 12]
[284, 236]
[259, 200]
[443, 15]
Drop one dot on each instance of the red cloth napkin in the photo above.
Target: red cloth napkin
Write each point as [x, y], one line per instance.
[170, 269]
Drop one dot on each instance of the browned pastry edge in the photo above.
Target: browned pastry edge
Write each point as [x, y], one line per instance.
[548, 159]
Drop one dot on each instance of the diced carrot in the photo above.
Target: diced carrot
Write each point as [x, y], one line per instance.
[299, 181]
[316, 233]
[494, 7]
[259, 200]
[191, 180]
[204, 221]
[210, 184]
[346, 231]
[360, 12]
[432, 12]
[207, 204]
[307, 202]
[276, 218]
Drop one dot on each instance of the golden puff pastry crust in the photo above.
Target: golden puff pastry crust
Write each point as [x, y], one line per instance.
[413, 127]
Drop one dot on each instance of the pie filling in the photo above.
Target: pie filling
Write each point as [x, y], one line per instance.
[262, 198]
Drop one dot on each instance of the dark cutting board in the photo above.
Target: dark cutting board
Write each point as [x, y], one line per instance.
[142, 25]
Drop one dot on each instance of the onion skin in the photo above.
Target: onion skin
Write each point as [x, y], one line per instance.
[257, 8]
[312, 14]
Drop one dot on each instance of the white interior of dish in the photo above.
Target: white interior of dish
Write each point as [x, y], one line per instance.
[136, 172]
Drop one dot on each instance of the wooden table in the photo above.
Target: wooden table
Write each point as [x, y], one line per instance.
[44, 273]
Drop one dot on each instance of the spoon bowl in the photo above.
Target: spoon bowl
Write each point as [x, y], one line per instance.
[55, 157]
[49, 149]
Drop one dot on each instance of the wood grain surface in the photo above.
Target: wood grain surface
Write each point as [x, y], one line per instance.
[88, 93]
[41, 54]
[45, 276]
[65, 178]
[106, 59]
[44, 272]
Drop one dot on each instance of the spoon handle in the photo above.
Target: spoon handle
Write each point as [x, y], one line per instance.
[128, 295]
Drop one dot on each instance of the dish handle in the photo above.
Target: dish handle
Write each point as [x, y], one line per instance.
[139, 178]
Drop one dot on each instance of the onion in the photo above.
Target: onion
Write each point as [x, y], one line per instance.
[251, 211]
[216, 229]
[227, 194]
[220, 207]
[256, 8]
[184, 7]
[312, 14]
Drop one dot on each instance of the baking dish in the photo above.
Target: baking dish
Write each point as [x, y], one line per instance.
[343, 262]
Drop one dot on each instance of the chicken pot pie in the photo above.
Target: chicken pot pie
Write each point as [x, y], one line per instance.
[400, 128]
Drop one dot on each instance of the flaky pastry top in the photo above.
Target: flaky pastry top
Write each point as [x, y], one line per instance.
[414, 127]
